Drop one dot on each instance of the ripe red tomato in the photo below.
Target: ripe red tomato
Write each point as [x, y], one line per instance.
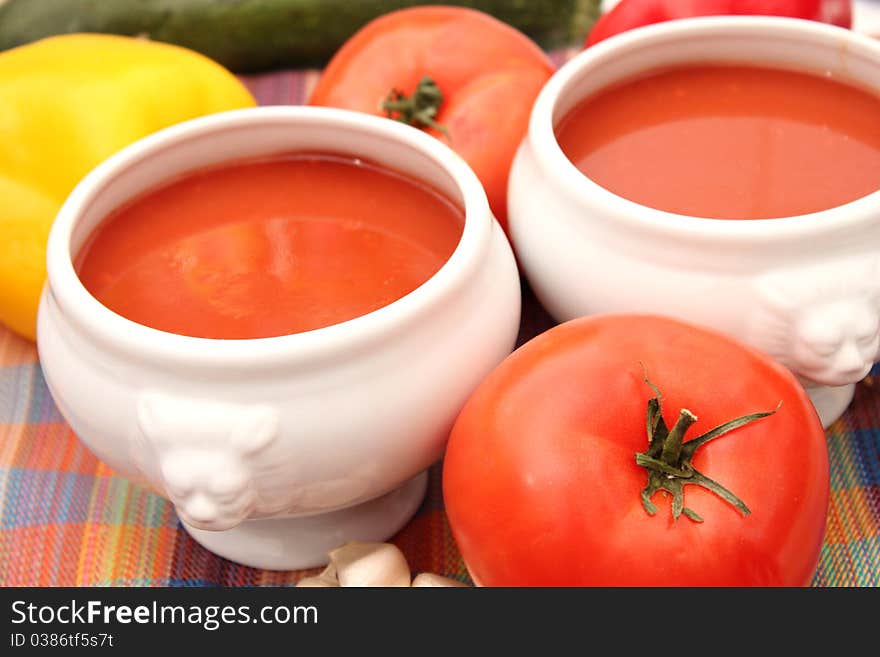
[488, 75]
[630, 14]
[542, 485]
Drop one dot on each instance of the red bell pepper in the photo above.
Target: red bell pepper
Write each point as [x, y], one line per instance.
[629, 14]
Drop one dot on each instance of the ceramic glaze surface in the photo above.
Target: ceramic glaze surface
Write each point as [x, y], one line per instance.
[276, 450]
[805, 288]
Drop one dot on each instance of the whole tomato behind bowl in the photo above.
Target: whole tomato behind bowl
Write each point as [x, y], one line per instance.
[630, 14]
[550, 478]
[466, 77]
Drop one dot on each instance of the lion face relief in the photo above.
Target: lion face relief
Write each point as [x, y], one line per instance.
[822, 322]
[838, 343]
[203, 456]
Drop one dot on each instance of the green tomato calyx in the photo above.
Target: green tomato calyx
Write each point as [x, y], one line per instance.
[668, 458]
[418, 110]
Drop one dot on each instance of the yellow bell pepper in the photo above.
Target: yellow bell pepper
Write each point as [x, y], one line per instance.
[66, 104]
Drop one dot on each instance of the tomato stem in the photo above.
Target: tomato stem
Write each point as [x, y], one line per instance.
[668, 458]
[418, 110]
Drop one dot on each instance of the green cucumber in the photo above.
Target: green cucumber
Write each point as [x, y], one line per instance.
[254, 35]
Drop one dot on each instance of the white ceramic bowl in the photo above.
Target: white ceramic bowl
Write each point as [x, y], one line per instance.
[804, 289]
[276, 450]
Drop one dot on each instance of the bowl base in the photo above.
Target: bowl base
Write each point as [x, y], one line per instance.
[831, 401]
[303, 542]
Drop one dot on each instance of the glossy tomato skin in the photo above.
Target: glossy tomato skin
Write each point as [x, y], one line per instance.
[630, 14]
[489, 73]
[542, 489]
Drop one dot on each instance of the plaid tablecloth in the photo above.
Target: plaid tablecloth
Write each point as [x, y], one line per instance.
[68, 519]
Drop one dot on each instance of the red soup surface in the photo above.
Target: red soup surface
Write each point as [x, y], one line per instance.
[729, 142]
[269, 247]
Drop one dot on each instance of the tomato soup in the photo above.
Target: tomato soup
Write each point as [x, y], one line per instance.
[729, 142]
[269, 247]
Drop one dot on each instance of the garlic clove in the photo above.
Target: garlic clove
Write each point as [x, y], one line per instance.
[432, 580]
[327, 578]
[370, 564]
